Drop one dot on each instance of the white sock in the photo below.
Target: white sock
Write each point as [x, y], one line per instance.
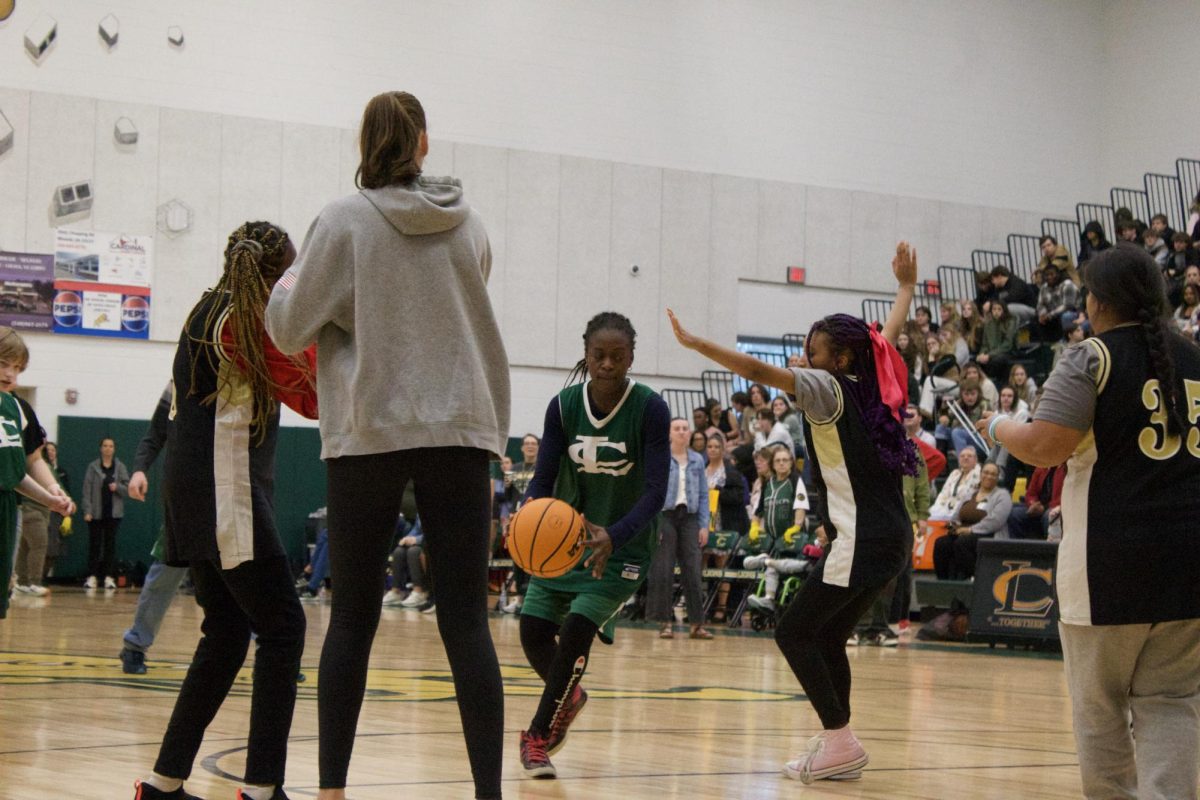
[258, 792]
[163, 783]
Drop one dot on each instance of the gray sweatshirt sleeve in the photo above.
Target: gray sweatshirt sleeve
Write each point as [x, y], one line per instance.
[999, 507]
[1069, 396]
[318, 289]
[818, 395]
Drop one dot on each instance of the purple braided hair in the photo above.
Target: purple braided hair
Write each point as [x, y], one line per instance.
[850, 335]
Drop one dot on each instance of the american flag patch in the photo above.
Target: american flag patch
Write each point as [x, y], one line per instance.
[288, 280]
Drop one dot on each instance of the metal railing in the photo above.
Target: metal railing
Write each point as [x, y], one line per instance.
[958, 283]
[1188, 170]
[793, 343]
[1163, 196]
[682, 401]
[1134, 199]
[1086, 212]
[717, 383]
[1024, 254]
[987, 260]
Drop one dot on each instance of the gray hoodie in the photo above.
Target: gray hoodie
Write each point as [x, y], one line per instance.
[392, 285]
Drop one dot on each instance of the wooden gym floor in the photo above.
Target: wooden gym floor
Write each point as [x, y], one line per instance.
[667, 719]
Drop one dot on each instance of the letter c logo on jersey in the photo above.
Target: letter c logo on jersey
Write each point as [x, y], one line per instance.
[585, 454]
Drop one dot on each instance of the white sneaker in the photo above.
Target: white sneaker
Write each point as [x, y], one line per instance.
[855, 640]
[392, 599]
[24, 589]
[90, 583]
[415, 599]
[760, 603]
[512, 608]
[36, 590]
[755, 562]
[432, 608]
[109, 583]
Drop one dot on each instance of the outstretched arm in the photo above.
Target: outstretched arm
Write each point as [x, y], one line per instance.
[747, 366]
[904, 267]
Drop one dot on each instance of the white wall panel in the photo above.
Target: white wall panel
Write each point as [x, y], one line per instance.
[874, 241]
[637, 239]
[126, 175]
[62, 149]
[918, 222]
[961, 231]
[584, 239]
[189, 170]
[348, 160]
[531, 260]
[734, 246]
[827, 236]
[781, 230]
[997, 224]
[251, 170]
[310, 176]
[484, 175]
[686, 257]
[14, 171]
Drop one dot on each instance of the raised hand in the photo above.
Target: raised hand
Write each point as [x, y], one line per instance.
[684, 338]
[904, 264]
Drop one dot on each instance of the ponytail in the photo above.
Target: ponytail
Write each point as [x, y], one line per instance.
[389, 140]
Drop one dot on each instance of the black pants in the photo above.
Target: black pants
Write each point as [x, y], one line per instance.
[102, 546]
[406, 567]
[255, 596]
[954, 556]
[454, 495]
[812, 635]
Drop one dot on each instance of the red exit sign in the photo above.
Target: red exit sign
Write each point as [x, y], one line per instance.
[796, 275]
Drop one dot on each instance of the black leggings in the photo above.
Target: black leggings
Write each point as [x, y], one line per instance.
[454, 495]
[561, 665]
[102, 546]
[812, 635]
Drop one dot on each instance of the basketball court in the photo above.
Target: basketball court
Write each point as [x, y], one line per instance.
[666, 718]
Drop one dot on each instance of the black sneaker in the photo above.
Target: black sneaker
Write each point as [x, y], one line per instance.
[144, 791]
[278, 795]
[133, 662]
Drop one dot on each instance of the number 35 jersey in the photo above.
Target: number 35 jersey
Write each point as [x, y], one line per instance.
[1130, 550]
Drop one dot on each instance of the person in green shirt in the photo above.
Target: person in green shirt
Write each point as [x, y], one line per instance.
[999, 341]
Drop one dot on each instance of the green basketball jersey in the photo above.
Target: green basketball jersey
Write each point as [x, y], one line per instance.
[12, 470]
[604, 474]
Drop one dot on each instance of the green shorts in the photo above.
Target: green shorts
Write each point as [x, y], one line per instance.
[578, 592]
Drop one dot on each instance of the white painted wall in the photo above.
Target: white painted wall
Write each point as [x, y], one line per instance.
[974, 101]
[1150, 114]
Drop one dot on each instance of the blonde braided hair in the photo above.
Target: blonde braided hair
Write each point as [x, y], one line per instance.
[253, 263]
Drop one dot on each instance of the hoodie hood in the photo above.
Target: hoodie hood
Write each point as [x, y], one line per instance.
[1096, 228]
[421, 207]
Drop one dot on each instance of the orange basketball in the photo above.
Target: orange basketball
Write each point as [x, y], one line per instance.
[545, 537]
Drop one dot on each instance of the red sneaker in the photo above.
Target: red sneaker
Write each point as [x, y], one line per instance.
[534, 757]
[566, 715]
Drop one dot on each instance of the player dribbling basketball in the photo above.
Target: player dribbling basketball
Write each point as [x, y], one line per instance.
[605, 451]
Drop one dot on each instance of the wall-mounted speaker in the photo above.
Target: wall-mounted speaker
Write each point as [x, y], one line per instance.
[110, 30]
[73, 198]
[40, 35]
[175, 36]
[125, 132]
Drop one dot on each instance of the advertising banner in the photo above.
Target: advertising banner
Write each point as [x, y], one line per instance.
[26, 291]
[102, 283]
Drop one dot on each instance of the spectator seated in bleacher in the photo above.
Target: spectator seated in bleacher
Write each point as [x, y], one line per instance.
[952, 341]
[999, 341]
[1182, 258]
[1024, 385]
[724, 420]
[789, 418]
[923, 319]
[1016, 294]
[970, 324]
[959, 487]
[409, 585]
[782, 506]
[769, 431]
[1019, 410]
[699, 442]
[950, 431]
[1186, 313]
[1131, 230]
[1162, 227]
[1156, 247]
[1058, 303]
[912, 425]
[941, 376]
[1055, 254]
[948, 315]
[739, 402]
[1092, 240]
[1042, 505]
[987, 388]
[984, 514]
